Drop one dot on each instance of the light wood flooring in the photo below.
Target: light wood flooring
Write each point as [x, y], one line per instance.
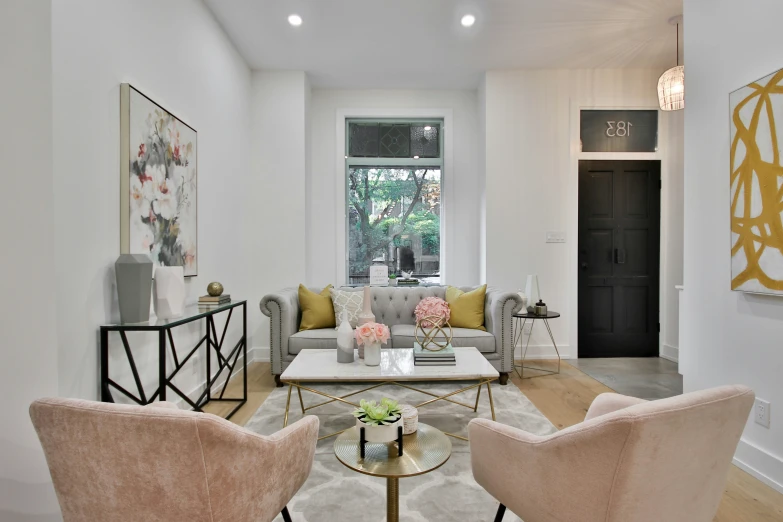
[564, 400]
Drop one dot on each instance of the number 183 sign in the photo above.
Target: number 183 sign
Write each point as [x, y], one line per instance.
[619, 130]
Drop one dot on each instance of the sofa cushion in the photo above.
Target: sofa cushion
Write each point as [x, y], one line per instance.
[403, 337]
[321, 339]
[317, 309]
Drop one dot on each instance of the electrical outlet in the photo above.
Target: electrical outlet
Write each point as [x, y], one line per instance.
[761, 412]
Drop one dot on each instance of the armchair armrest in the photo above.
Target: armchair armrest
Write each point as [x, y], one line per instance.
[564, 476]
[282, 308]
[499, 307]
[250, 476]
[610, 402]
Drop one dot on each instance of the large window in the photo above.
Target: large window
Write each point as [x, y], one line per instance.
[394, 173]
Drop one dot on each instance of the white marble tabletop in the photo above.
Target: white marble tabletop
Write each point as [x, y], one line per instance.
[396, 365]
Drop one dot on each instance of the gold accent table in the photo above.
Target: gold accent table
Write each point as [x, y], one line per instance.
[397, 368]
[423, 451]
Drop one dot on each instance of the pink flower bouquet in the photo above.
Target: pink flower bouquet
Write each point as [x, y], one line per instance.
[432, 307]
[370, 333]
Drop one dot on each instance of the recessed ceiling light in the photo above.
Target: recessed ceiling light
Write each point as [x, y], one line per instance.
[468, 20]
[296, 20]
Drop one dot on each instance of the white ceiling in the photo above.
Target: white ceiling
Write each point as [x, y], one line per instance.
[421, 44]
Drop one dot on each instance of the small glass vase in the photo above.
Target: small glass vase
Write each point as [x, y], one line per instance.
[372, 354]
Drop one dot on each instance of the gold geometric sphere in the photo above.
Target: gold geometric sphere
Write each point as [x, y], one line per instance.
[430, 336]
[214, 289]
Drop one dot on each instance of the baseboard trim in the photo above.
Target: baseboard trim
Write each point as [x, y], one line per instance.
[544, 351]
[766, 467]
[670, 353]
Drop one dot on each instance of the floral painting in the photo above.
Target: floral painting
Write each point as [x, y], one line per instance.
[159, 183]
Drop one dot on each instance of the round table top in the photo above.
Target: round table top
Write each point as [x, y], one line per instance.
[527, 315]
[423, 451]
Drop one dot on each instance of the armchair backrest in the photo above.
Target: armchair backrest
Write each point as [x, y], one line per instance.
[676, 454]
[114, 462]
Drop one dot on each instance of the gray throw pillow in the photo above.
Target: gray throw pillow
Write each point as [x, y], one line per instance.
[350, 301]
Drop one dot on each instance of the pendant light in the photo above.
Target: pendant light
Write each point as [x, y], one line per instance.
[671, 84]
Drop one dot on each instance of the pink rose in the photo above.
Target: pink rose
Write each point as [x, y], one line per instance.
[364, 333]
[381, 332]
[432, 307]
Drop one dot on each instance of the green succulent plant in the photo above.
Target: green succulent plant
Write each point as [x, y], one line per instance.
[374, 414]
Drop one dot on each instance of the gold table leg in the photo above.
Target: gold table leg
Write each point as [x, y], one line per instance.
[301, 402]
[478, 395]
[287, 405]
[491, 403]
[392, 499]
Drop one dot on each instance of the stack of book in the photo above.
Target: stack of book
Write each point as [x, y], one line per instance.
[409, 282]
[423, 357]
[208, 300]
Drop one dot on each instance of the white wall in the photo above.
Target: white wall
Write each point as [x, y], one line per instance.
[532, 153]
[29, 367]
[727, 337]
[176, 53]
[276, 192]
[326, 185]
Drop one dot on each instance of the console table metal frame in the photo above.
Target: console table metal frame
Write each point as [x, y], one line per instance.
[522, 318]
[165, 380]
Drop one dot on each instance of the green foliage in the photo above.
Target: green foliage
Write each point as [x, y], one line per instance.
[373, 414]
[387, 203]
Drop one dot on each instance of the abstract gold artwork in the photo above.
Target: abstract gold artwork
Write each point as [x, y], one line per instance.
[757, 186]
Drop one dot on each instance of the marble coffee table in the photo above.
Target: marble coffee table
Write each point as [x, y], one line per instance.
[396, 369]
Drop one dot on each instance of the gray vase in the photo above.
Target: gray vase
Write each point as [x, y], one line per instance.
[134, 287]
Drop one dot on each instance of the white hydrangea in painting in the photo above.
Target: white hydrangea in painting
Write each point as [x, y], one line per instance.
[163, 183]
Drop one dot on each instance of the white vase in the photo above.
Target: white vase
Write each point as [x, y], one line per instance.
[169, 291]
[386, 433]
[372, 354]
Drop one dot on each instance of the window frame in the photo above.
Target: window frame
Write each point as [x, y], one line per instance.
[353, 162]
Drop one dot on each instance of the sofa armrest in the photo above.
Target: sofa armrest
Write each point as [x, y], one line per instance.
[282, 308]
[499, 307]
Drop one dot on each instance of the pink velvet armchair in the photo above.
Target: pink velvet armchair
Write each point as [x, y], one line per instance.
[112, 462]
[629, 461]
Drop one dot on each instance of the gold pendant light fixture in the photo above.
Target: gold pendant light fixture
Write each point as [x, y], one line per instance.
[671, 84]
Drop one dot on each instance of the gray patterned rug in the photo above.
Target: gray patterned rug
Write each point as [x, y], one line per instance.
[335, 493]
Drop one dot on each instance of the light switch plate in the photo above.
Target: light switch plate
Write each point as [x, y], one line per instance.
[555, 237]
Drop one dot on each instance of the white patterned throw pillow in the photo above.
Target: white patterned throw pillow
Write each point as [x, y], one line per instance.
[350, 301]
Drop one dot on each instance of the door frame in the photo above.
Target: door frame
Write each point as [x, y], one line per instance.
[664, 154]
[654, 275]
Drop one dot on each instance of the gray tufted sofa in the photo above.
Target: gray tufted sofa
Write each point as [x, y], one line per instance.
[394, 307]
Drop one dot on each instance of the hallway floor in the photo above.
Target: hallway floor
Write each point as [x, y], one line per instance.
[642, 377]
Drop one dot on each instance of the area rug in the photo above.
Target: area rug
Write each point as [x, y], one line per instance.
[336, 493]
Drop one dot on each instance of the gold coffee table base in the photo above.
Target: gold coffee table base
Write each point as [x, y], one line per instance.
[299, 387]
[423, 451]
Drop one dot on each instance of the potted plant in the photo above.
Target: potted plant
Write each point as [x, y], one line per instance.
[380, 421]
[371, 335]
[392, 279]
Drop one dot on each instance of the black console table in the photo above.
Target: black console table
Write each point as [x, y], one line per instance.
[210, 340]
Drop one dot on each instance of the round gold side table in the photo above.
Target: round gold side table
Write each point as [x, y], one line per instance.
[423, 451]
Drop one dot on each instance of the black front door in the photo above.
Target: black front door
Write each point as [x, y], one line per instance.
[619, 258]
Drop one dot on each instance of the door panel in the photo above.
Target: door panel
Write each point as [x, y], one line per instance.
[619, 249]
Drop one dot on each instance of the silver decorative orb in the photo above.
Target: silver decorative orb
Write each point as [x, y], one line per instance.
[214, 289]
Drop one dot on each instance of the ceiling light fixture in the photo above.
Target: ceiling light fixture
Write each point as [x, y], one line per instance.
[671, 84]
[468, 20]
[295, 20]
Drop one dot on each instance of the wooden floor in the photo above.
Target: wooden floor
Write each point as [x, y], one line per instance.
[564, 400]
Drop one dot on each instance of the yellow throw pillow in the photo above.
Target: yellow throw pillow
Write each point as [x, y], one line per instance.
[467, 308]
[317, 309]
